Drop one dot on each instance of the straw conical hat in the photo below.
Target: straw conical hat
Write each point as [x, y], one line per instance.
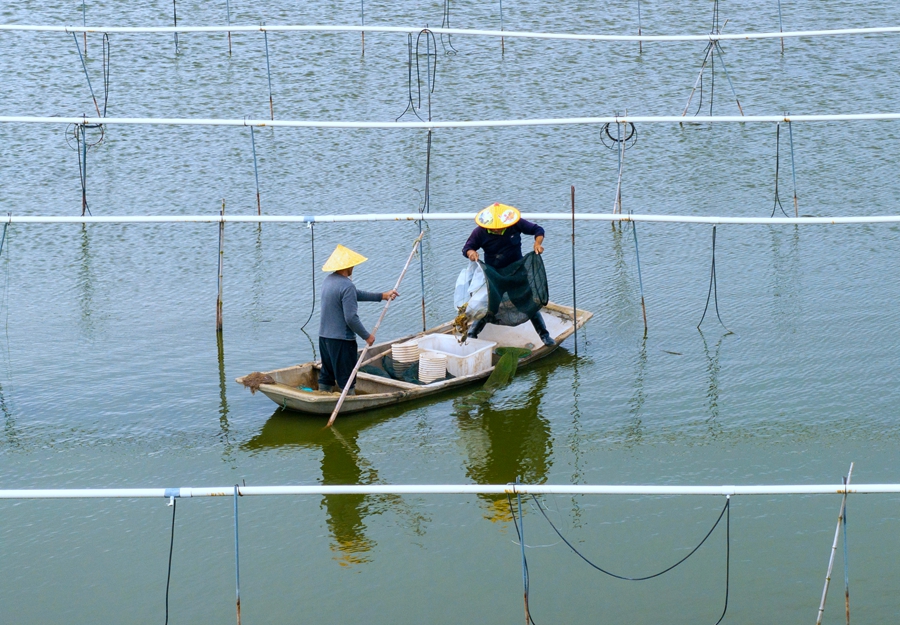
[343, 258]
[497, 216]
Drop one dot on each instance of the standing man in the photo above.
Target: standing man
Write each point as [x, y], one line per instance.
[499, 234]
[339, 323]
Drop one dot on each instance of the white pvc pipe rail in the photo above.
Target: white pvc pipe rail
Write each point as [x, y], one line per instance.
[446, 489]
[677, 219]
[450, 31]
[551, 121]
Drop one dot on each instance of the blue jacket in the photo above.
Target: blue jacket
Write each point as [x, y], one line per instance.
[501, 250]
[339, 318]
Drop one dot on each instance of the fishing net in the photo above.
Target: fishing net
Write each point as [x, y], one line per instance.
[255, 379]
[507, 296]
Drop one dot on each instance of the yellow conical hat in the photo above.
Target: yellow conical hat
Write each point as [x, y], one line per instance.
[343, 258]
[497, 216]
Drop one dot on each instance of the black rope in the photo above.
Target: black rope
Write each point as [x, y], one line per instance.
[171, 545]
[105, 57]
[622, 577]
[629, 139]
[446, 24]
[312, 233]
[527, 577]
[415, 104]
[777, 203]
[727, 557]
[713, 287]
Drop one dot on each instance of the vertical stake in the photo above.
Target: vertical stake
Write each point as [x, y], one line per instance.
[237, 559]
[640, 280]
[221, 258]
[362, 22]
[175, 22]
[574, 303]
[780, 26]
[502, 45]
[255, 171]
[83, 169]
[793, 171]
[522, 544]
[834, 546]
[228, 15]
[269, 75]
[84, 23]
[640, 41]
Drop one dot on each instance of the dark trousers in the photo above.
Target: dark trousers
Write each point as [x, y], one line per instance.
[338, 359]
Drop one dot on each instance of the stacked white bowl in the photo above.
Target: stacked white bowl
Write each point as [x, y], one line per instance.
[404, 354]
[432, 367]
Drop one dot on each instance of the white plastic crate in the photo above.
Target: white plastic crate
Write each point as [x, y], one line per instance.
[473, 356]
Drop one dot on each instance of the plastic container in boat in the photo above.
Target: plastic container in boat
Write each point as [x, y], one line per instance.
[432, 367]
[471, 357]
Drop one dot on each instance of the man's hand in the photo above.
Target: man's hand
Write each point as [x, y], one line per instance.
[538, 248]
[370, 340]
[472, 255]
[389, 295]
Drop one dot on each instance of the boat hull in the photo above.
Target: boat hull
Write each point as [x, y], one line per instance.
[374, 391]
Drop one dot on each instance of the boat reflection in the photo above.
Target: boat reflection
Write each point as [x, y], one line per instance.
[506, 435]
[342, 463]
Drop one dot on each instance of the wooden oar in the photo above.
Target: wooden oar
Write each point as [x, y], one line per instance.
[362, 356]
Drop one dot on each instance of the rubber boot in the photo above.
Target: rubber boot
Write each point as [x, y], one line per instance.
[538, 322]
[476, 329]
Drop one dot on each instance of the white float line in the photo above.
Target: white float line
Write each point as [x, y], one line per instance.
[450, 31]
[442, 489]
[552, 121]
[673, 219]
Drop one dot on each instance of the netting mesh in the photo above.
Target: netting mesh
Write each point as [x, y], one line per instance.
[516, 292]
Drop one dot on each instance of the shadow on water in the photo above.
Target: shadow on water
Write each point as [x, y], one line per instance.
[342, 463]
[224, 427]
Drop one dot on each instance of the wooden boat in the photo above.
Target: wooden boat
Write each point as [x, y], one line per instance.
[373, 391]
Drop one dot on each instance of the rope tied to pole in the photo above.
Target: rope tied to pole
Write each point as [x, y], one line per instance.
[312, 243]
[726, 512]
[431, 73]
[777, 203]
[172, 502]
[713, 287]
[445, 23]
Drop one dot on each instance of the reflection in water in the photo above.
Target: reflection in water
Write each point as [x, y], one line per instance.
[85, 282]
[10, 431]
[786, 290]
[712, 391]
[225, 429]
[575, 440]
[634, 431]
[622, 287]
[342, 463]
[259, 275]
[505, 444]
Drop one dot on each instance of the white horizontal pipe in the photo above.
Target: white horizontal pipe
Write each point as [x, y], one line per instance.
[450, 31]
[447, 489]
[684, 219]
[551, 121]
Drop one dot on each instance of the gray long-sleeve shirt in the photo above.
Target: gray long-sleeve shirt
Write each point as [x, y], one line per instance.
[339, 319]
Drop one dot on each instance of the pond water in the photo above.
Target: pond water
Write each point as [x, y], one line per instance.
[113, 375]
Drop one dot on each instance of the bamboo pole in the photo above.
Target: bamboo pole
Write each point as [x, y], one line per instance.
[837, 532]
[221, 259]
[574, 303]
[365, 349]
